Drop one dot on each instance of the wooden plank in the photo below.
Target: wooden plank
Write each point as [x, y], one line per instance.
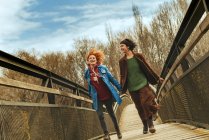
[131, 127]
[22, 85]
[27, 104]
[75, 97]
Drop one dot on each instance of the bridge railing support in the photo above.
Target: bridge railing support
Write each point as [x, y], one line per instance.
[183, 98]
[52, 120]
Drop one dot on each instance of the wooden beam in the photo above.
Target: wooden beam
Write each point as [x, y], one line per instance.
[22, 85]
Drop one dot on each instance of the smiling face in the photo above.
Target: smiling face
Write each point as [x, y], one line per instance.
[92, 60]
[124, 48]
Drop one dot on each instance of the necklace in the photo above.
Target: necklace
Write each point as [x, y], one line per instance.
[96, 75]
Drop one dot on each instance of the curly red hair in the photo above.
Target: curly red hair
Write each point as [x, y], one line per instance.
[98, 54]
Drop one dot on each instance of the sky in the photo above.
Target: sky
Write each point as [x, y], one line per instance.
[53, 25]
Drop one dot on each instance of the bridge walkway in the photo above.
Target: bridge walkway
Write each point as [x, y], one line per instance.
[131, 128]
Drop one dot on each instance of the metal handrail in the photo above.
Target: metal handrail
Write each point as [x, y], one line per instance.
[19, 65]
[48, 78]
[180, 96]
[191, 19]
[201, 30]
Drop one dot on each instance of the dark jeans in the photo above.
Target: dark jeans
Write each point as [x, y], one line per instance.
[109, 106]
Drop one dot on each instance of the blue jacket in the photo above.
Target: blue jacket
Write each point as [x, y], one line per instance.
[109, 80]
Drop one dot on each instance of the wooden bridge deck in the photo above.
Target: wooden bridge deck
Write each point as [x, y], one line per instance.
[131, 128]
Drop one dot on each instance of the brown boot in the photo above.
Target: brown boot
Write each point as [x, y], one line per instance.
[151, 125]
[152, 129]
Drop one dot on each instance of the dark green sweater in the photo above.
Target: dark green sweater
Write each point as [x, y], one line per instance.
[136, 78]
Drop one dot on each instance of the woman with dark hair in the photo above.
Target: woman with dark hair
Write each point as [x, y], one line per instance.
[136, 75]
[101, 90]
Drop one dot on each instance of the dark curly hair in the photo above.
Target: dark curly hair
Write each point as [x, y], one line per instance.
[129, 43]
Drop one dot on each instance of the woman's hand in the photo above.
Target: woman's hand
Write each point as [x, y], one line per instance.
[160, 80]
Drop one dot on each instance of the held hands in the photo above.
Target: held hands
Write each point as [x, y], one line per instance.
[160, 80]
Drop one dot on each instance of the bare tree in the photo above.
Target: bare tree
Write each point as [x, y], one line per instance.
[112, 53]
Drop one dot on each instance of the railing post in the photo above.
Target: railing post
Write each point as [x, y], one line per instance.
[190, 59]
[184, 65]
[78, 102]
[51, 97]
[44, 83]
[173, 78]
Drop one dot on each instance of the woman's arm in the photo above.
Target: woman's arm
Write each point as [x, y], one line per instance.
[113, 80]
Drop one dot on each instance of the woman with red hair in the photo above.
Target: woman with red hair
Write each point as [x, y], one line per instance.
[101, 90]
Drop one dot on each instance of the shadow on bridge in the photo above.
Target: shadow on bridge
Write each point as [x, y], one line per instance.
[183, 98]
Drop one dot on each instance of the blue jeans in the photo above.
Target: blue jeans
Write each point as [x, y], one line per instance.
[109, 106]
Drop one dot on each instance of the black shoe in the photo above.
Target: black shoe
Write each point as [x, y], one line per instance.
[119, 134]
[107, 137]
[145, 128]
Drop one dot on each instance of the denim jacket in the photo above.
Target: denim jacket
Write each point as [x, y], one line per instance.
[109, 80]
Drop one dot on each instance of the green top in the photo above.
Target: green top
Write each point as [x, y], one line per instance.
[136, 78]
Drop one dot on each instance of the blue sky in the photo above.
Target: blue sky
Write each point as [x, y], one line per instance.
[52, 25]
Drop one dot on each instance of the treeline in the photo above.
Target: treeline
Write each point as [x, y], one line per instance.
[153, 40]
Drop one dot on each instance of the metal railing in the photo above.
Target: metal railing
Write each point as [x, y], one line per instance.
[26, 120]
[185, 98]
[48, 78]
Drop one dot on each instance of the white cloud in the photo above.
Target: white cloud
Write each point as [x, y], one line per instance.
[99, 31]
[12, 20]
[91, 23]
[94, 14]
[66, 19]
[59, 41]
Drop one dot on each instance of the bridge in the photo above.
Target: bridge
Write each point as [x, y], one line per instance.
[183, 97]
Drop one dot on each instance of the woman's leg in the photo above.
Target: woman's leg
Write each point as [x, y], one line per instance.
[149, 106]
[109, 107]
[110, 111]
[135, 96]
[101, 118]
